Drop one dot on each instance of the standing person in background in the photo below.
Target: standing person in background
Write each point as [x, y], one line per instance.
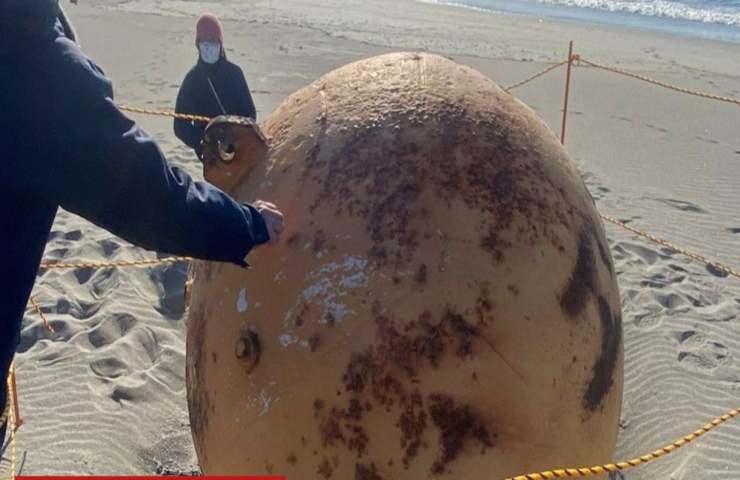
[214, 86]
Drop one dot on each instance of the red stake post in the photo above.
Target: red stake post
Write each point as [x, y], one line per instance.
[567, 91]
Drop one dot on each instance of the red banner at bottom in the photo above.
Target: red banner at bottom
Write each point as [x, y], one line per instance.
[123, 477]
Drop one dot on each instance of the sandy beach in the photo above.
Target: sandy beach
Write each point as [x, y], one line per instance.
[105, 394]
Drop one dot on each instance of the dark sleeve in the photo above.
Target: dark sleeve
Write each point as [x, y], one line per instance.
[190, 133]
[246, 106]
[113, 174]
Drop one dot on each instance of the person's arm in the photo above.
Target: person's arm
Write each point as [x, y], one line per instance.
[112, 173]
[190, 133]
[246, 106]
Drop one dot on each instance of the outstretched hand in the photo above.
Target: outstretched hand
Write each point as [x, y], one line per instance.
[273, 219]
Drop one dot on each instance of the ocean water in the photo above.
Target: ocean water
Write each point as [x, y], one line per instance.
[710, 19]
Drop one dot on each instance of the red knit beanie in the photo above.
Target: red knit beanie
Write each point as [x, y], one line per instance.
[208, 28]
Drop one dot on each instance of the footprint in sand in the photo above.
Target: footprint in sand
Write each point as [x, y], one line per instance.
[83, 275]
[655, 127]
[599, 192]
[647, 255]
[734, 230]
[78, 309]
[120, 394]
[143, 356]
[105, 282]
[696, 353]
[56, 253]
[670, 301]
[171, 280]
[109, 247]
[624, 119]
[74, 235]
[648, 320]
[682, 205]
[678, 268]
[109, 368]
[660, 281]
[111, 329]
[125, 354]
[32, 335]
[718, 318]
[652, 283]
[716, 271]
[707, 140]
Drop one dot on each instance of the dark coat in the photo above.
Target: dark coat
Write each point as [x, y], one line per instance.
[196, 97]
[63, 142]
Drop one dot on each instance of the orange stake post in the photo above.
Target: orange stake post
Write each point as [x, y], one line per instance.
[16, 407]
[567, 91]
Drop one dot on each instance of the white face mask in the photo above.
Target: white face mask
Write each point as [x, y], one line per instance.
[210, 52]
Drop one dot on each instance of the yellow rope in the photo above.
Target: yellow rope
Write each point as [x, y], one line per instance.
[697, 93]
[9, 415]
[675, 248]
[123, 263]
[166, 113]
[11, 391]
[37, 308]
[613, 467]
[536, 76]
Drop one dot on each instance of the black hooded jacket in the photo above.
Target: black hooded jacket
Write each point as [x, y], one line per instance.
[227, 88]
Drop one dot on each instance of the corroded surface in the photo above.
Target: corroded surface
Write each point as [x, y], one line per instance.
[443, 302]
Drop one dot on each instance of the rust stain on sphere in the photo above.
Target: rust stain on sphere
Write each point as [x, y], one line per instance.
[443, 302]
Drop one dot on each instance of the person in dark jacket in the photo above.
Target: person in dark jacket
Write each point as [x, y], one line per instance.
[64, 143]
[214, 86]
